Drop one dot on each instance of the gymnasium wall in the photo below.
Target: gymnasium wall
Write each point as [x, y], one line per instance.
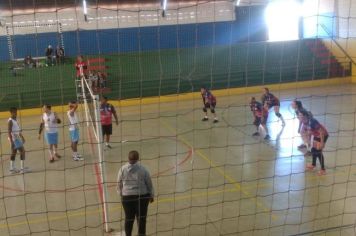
[33, 31]
[213, 51]
[224, 28]
[345, 32]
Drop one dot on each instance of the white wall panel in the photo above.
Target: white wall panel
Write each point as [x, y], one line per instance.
[134, 16]
[347, 18]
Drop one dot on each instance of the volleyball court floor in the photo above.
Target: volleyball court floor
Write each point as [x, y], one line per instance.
[210, 179]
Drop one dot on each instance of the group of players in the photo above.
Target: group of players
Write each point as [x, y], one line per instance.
[49, 123]
[314, 134]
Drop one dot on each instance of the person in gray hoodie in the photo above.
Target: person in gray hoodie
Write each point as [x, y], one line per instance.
[134, 185]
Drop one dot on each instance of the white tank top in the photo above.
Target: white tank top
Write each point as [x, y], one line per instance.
[73, 121]
[15, 132]
[50, 122]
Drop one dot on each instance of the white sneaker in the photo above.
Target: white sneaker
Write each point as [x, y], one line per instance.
[25, 170]
[77, 158]
[14, 170]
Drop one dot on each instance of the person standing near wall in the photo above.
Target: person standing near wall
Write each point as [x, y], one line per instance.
[134, 186]
[49, 56]
[59, 55]
[81, 67]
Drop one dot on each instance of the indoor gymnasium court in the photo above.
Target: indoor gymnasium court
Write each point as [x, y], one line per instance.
[180, 75]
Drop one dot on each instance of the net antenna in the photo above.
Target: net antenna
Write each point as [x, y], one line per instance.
[189, 79]
[91, 102]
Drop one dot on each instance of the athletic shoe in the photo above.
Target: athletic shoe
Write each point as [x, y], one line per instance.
[51, 160]
[108, 146]
[256, 134]
[321, 172]
[57, 155]
[14, 171]
[308, 154]
[77, 158]
[25, 170]
[205, 119]
[267, 137]
[215, 120]
[309, 167]
[302, 146]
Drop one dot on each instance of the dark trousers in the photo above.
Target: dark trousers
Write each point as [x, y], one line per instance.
[135, 207]
[318, 154]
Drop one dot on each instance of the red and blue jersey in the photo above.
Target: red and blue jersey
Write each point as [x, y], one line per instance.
[208, 97]
[316, 129]
[258, 109]
[270, 99]
[106, 113]
[81, 68]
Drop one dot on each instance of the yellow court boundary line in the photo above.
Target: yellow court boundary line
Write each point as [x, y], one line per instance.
[195, 95]
[219, 170]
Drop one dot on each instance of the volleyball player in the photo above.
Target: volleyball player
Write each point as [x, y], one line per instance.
[260, 114]
[272, 101]
[49, 122]
[303, 116]
[209, 102]
[17, 141]
[74, 130]
[107, 111]
[320, 136]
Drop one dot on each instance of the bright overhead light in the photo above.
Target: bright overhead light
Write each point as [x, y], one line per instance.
[282, 18]
[164, 7]
[164, 4]
[85, 9]
[238, 2]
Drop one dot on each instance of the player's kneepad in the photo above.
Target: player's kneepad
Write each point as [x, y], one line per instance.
[212, 110]
[204, 109]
